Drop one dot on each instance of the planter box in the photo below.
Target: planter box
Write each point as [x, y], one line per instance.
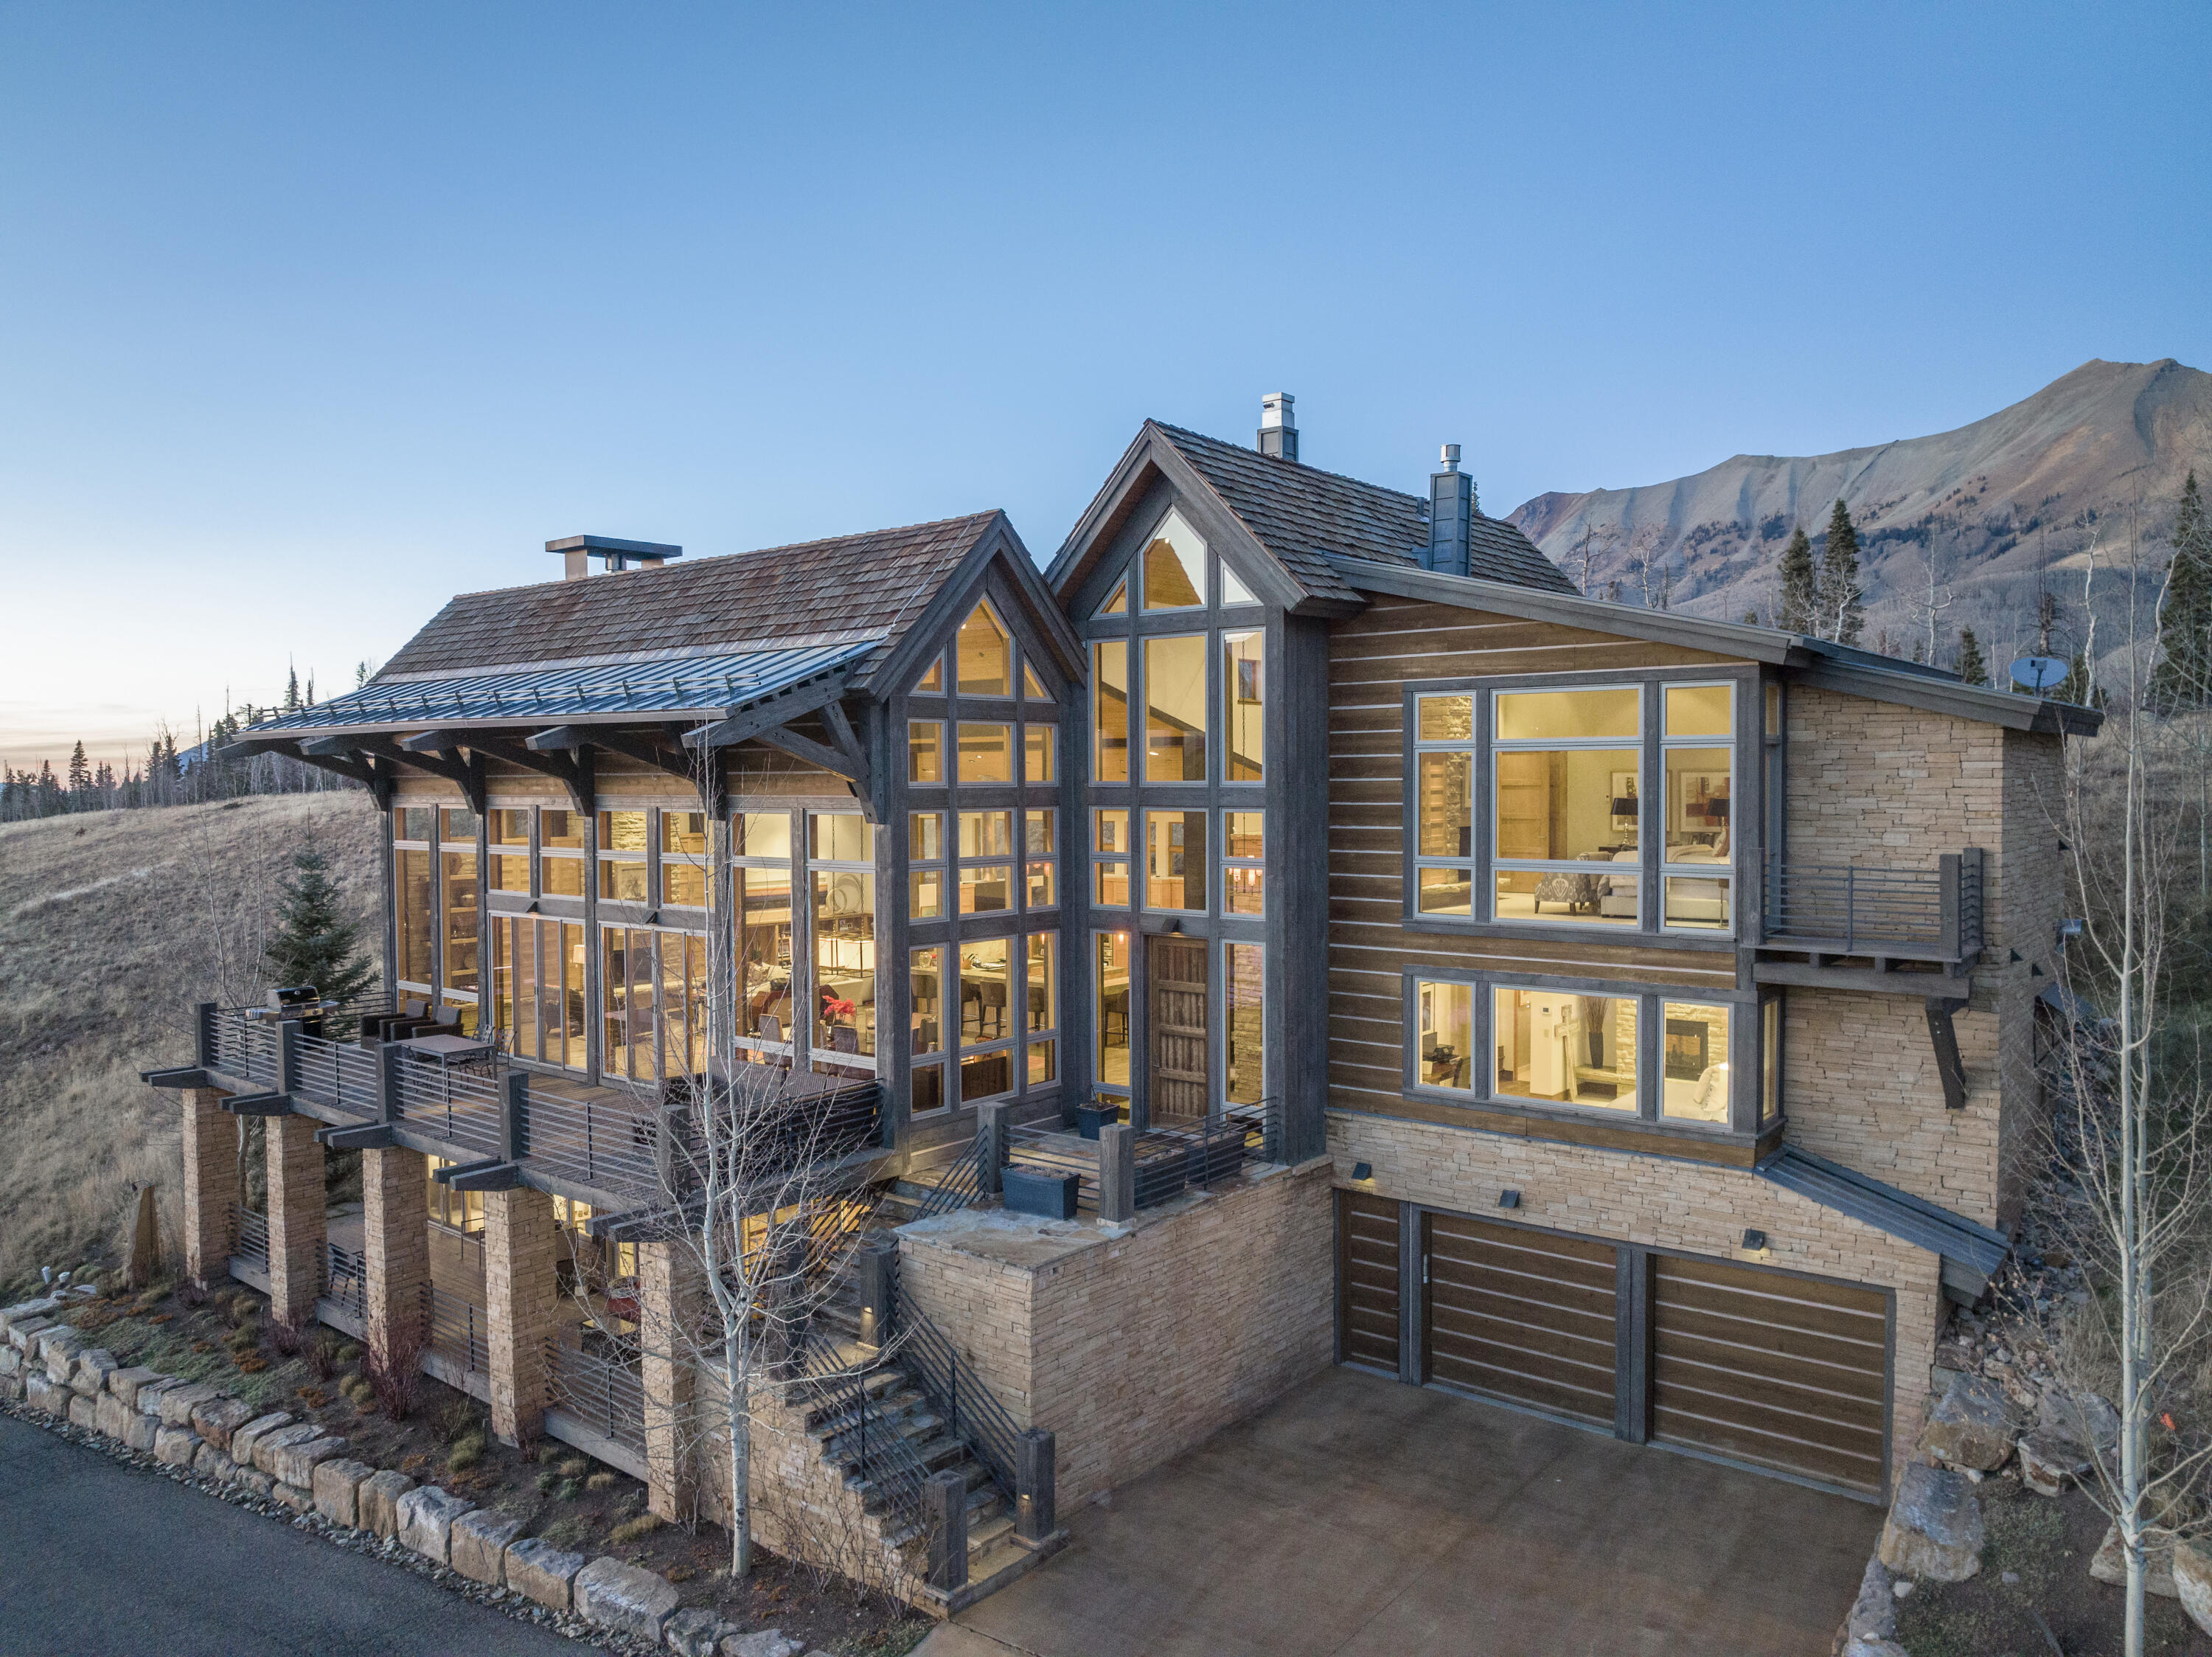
[1089, 1119]
[1052, 1195]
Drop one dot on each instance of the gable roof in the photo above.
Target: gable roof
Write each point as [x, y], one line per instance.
[848, 589]
[1299, 516]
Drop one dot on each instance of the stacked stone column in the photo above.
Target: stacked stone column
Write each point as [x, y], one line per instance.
[670, 1296]
[210, 1147]
[297, 1224]
[520, 1296]
[395, 1213]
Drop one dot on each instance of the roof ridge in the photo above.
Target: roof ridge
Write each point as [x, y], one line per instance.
[1303, 469]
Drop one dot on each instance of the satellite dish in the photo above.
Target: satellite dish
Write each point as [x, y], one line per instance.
[2039, 674]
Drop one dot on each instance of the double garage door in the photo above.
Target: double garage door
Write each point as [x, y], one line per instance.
[1776, 1371]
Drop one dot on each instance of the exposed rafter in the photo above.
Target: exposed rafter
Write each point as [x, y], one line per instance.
[767, 715]
[465, 774]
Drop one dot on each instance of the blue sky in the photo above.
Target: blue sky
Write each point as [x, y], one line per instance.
[311, 316]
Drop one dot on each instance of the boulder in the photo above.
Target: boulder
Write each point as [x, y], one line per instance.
[254, 1479]
[243, 1440]
[295, 1464]
[214, 1463]
[426, 1521]
[693, 1633]
[11, 1388]
[763, 1643]
[292, 1496]
[25, 1312]
[477, 1548]
[336, 1484]
[112, 1416]
[2047, 1463]
[58, 1350]
[178, 1403]
[1934, 1531]
[11, 1360]
[42, 1393]
[2192, 1580]
[267, 1444]
[2109, 1564]
[24, 1336]
[149, 1395]
[2087, 1421]
[628, 1599]
[217, 1420]
[1873, 1648]
[83, 1412]
[538, 1570]
[139, 1429]
[91, 1371]
[176, 1445]
[124, 1383]
[377, 1503]
[1970, 1425]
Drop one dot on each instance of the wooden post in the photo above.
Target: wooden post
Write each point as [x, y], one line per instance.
[1036, 1504]
[520, 1296]
[288, 1055]
[947, 1509]
[204, 1016]
[1117, 1173]
[145, 1241]
[211, 1185]
[876, 1269]
[991, 1135]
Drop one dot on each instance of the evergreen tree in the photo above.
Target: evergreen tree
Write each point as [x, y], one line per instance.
[1794, 611]
[2076, 687]
[291, 690]
[2183, 677]
[1751, 617]
[80, 771]
[315, 942]
[1972, 668]
[1838, 600]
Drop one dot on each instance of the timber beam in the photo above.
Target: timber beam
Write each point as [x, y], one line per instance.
[768, 714]
[575, 738]
[453, 1171]
[258, 1104]
[467, 775]
[371, 1136]
[480, 1176]
[185, 1076]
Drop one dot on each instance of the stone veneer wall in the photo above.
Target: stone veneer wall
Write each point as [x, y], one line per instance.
[1661, 1203]
[1132, 1348]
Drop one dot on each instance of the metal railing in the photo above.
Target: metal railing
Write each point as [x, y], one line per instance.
[960, 1185]
[865, 1439]
[335, 1074]
[603, 1393]
[1926, 913]
[249, 1233]
[1049, 1149]
[970, 1409]
[457, 1332]
[593, 1142]
[1172, 1160]
[345, 1279]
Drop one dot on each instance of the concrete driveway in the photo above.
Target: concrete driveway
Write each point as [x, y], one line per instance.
[1358, 1515]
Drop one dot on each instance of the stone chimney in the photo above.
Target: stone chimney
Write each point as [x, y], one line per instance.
[578, 550]
[1451, 516]
[1279, 429]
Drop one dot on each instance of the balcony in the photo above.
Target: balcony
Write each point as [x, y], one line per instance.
[1849, 925]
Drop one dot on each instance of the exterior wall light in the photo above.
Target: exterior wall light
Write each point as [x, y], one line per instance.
[1754, 1242]
[1508, 1199]
[1363, 1170]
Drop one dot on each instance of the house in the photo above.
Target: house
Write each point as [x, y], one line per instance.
[1604, 1012]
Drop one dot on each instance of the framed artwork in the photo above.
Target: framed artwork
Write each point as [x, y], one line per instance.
[1701, 801]
[1624, 802]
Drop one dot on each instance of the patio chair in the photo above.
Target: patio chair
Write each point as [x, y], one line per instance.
[377, 1026]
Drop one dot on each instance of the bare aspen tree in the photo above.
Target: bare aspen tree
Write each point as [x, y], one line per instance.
[1935, 597]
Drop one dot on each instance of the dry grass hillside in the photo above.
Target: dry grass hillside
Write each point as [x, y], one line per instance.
[112, 924]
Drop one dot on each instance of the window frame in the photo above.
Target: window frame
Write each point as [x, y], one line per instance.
[1482, 920]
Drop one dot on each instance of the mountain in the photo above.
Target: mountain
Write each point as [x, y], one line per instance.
[1999, 504]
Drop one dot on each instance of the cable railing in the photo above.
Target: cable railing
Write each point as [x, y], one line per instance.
[335, 1074]
[249, 1235]
[463, 1110]
[602, 1393]
[970, 1409]
[1932, 913]
[345, 1279]
[457, 1332]
[594, 1143]
[960, 1185]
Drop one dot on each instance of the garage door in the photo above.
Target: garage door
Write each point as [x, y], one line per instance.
[1764, 1368]
[1367, 1281]
[1524, 1315]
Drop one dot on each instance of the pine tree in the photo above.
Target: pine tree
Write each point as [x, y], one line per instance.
[315, 942]
[80, 771]
[1972, 668]
[291, 690]
[1751, 617]
[1794, 611]
[2183, 677]
[1837, 601]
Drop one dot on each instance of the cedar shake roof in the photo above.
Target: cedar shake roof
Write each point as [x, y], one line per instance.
[1303, 516]
[847, 589]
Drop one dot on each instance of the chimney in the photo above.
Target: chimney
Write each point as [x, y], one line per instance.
[578, 550]
[1278, 428]
[1451, 516]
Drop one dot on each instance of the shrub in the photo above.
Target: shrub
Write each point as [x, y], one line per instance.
[466, 1453]
[244, 1338]
[323, 1356]
[192, 1295]
[455, 1422]
[287, 1338]
[633, 1530]
[548, 1482]
[599, 1481]
[574, 1467]
[568, 1489]
[567, 1532]
[398, 1382]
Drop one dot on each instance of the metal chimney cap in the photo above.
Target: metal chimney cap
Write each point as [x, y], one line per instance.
[1275, 411]
[603, 543]
[1451, 457]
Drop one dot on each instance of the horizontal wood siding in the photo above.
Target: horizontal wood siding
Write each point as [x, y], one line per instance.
[1779, 1371]
[1367, 1272]
[1524, 1315]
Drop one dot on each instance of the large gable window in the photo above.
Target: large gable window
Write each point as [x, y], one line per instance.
[1174, 562]
[1175, 709]
[985, 653]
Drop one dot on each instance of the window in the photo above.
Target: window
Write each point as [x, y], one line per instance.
[1694, 1063]
[1112, 1024]
[1039, 844]
[761, 894]
[985, 753]
[1697, 858]
[844, 938]
[1174, 562]
[622, 856]
[560, 853]
[411, 889]
[653, 997]
[1443, 1051]
[926, 1026]
[1243, 712]
[1566, 1048]
[1443, 804]
[987, 870]
[457, 823]
[509, 828]
[1242, 868]
[1117, 601]
[1041, 1007]
[1174, 860]
[1234, 591]
[987, 1061]
[1769, 1057]
[1175, 709]
[456, 1210]
[683, 858]
[1243, 987]
[414, 823]
[1109, 858]
[932, 682]
[925, 751]
[538, 966]
[1033, 687]
[1038, 742]
[925, 846]
[985, 655]
[460, 901]
[1565, 770]
[1109, 683]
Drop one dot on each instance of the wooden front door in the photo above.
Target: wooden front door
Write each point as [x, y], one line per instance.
[1177, 972]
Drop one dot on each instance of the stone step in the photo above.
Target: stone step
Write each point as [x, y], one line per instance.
[895, 1409]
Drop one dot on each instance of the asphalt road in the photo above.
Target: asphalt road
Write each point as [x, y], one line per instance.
[97, 1557]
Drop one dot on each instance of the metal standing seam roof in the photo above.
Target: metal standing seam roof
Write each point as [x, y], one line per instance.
[1970, 1251]
[700, 686]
